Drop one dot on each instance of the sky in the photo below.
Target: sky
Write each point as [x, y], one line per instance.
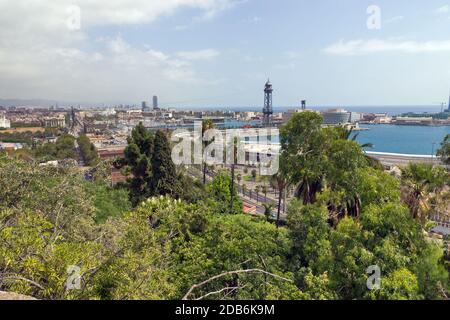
[221, 52]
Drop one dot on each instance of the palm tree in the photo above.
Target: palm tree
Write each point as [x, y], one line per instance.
[268, 208]
[254, 174]
[257, 190]
[239, 178]
[419, 182]
[308, 188]
[347, 134]
[280, 182]
[264, 190]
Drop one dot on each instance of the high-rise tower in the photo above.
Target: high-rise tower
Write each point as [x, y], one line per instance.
[155, 103]
[448, 107]
[268, 109]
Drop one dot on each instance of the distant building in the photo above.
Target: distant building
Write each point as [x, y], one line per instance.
[4, 123]
[448, 107]
[6, 146]
[54, 122]
[336, 116]
[290, 113]
[155, 103]
[414, 121]
[355, 117]
[145, 108]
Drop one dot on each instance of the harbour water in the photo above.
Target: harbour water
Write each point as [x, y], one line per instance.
[423, 140]
[414, 140]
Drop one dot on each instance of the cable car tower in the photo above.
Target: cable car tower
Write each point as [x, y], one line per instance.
[268, 108]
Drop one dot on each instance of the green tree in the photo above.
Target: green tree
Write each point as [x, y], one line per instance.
[264, 190]
[310, 234]
[444, 151]
[64, 148]
[303, 146]
[220, 190]
[419, 181]
[280, 182]
[344, 133]
[344, 160]
[254, 174]
[268, 208]
[239, 178]
[164, 178]
[138, 159]
[257, 191]
[88, 151]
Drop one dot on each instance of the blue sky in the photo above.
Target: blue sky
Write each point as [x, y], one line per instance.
[220, 52]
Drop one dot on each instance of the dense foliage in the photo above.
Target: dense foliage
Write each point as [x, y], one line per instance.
[148, 159]
[64, 148]
[166, 236]
[88, 151]
[444, 151]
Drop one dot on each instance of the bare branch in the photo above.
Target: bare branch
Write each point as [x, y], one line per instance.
[228, 274]
[19, 278]
[231, 289]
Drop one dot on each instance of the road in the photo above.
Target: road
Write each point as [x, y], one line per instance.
[260, 210]
[395, 159]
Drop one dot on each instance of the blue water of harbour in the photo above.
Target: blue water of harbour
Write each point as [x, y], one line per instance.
[404, 139]
[420, 140]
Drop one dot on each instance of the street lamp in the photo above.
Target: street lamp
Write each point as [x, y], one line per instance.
[433, 156]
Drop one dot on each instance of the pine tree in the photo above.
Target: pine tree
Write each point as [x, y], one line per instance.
[138, 158]
[164, 180]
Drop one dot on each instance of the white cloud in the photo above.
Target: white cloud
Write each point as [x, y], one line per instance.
[358, 47]
[206, 54]
[291, 55]
[42, 57]
[443, 10]
[254, 19]
[394, 19]
[100, 12]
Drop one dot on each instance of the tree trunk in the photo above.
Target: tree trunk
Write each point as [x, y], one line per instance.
[232, 190]
[204, 173]
[279, 207]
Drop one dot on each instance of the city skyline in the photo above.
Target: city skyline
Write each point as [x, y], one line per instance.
[220, 52]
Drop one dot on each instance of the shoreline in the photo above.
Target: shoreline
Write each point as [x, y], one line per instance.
[406, 125]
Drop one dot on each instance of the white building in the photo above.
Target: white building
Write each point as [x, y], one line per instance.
[4, 123]
[355, 117]
[336, 117]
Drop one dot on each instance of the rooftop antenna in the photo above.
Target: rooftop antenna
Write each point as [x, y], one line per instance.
[303, 104]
